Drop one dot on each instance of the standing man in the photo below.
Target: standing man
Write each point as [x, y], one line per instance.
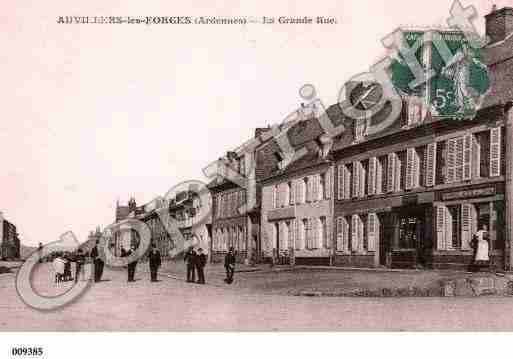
[201, 261]
[131, 265]
[229, 265]
[98, 263]
[40, 252]
[79, 262]
[190, 259]
[155, 261]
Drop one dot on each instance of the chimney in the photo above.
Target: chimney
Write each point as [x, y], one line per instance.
[499, 23]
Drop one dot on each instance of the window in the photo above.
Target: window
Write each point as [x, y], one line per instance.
[400, 171]
[322, 186]
[357, 233]
[358, 179]
[342, 234]
[308, 189]
[324, 233]
[344, 182]
[411, 170]
[495, 152]
[291, 195]
[276, 234]
[428, 173]
[454, 213]
[284, 236]
[275, 197]
[459, 159]
[300, 240]
[304, 233]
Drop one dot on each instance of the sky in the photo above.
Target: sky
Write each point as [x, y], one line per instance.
[94, 113]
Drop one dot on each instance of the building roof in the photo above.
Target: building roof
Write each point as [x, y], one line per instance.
[499, 57]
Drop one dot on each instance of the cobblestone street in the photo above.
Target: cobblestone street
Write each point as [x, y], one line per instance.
[172, 304]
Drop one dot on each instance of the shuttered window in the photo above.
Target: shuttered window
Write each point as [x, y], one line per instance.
[327, 184]
[495, 152]
[372, 231]
[467, 157]
[466, 225]
[430, 164]
[340, 182]
[371, 178]
[356, 179]
[342, 235]
[440, 227]
[391, 162]
[459, 159]
[293, 189]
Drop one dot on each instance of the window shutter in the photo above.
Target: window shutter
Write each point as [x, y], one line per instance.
[341, 182]
[316, 236]
[340, 234]
[451, 161]
[391, 172]
[459, 159]
[371, 178]
[273, 197]
[293, 185]
[430, 161]
[327, 233]
[354, 232]
[467, 157]
[410, 162]
[379, 177]
[347, 182]
[495, 152]
[299, 191]
[466, 227]
[476, 156]
[360, 234]
[327, 184]
[361, 184]
[440, 227]
[372, 231]
[448, 228]
[317, 186]
[356, 180]
[397, 174]
[299, 234]
[293, 233]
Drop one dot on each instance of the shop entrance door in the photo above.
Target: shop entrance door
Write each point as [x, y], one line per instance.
[411, 235]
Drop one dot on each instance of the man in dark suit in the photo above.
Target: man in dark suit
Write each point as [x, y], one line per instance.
[201, 261]
[190, 259]
[155, 261]
[131, 265]
[98, 263]
[229, 265]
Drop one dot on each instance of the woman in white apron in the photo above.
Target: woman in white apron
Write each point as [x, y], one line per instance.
[482, 257]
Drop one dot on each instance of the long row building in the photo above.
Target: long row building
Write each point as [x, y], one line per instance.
[410, 196]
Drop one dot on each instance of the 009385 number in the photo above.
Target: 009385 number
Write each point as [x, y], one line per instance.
[27, 351]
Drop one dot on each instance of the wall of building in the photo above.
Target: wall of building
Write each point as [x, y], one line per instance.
[297, 225]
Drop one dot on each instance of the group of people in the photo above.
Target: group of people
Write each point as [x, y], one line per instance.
[196, 261]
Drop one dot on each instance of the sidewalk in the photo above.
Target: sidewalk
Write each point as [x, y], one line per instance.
[344, 282]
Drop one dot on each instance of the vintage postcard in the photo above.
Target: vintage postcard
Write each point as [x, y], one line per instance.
[287, 166]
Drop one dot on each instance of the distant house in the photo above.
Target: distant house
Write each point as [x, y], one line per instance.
[10, 243]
